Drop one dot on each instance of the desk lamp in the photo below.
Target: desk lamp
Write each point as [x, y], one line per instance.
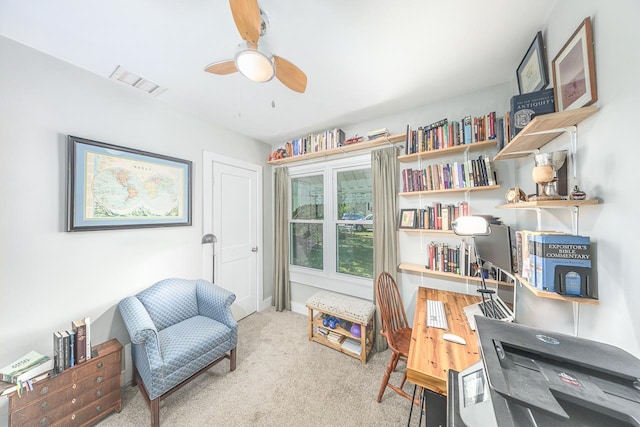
[472, 226]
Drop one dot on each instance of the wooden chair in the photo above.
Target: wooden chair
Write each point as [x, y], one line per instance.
[395, 329]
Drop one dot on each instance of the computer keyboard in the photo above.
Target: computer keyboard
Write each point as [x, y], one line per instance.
[436, 316]
[493, 310]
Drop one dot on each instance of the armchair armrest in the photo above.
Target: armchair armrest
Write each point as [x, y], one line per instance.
[140, 327]
[215, 302]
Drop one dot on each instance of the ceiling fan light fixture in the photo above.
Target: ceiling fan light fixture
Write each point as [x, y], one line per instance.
[254, 64]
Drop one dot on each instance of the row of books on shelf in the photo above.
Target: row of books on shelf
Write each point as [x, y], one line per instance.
[446, 258]
[555, 262]
[465, 174]
[314, 142]
[72, 346]
[445, 133]
[439, 216]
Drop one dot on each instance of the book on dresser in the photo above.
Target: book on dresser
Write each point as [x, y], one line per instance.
[80, 329]
[26, 367]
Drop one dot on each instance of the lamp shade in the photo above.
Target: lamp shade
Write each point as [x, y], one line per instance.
[254, 64]
[471, 226]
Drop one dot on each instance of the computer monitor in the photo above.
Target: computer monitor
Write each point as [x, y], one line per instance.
[496, 248]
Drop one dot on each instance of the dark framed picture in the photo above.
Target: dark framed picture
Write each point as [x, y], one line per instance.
[532, 71]
[113, 187]
[408, 218]
[574, 71]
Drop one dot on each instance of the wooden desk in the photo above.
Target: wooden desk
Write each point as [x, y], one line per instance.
[430, 356]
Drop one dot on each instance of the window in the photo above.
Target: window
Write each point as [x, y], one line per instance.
[331, 224]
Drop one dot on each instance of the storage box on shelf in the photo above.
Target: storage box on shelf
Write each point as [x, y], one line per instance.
[79, 396]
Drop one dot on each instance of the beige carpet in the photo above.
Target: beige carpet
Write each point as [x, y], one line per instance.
[281, 379]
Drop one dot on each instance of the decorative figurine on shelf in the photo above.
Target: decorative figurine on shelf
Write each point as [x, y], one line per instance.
[577, 194]
[515, 195]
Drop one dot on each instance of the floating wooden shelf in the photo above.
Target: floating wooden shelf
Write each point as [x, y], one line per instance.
[447, 151]
[414, 268]
[392, 139]
[548, 204]
[449, 190]
[426, 230]
[541, 130]
[552, 295]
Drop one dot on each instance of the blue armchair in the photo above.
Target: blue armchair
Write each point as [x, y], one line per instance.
[179, 329]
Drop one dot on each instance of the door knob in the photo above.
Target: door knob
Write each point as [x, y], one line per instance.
[254, 249]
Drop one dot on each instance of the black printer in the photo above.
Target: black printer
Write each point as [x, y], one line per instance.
[532, 377]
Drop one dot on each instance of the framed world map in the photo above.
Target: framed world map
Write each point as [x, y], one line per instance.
[113, 187]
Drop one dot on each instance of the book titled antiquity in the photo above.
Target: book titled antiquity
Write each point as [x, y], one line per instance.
[526, 106]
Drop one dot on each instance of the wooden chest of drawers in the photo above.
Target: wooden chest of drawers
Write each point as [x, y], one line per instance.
[79, 396]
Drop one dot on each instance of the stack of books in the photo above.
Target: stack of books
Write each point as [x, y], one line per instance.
[335, 337]
[378, 133]
[22, 372]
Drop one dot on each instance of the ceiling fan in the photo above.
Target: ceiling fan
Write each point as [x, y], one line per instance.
[253, 60]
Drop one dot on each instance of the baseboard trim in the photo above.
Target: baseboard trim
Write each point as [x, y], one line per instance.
[299, 308]
[266, 303]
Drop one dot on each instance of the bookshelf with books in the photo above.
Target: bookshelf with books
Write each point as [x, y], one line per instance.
[341, 149]
[466, 168]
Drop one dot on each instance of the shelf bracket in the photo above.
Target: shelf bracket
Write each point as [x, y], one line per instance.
[574, 219]
[573, 134]
[576, 317]
[538, 218]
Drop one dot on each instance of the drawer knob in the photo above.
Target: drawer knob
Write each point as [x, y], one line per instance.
[44, 390]
[100, 365]
[98, 408]
[74, 386]
[73, 400]
[43, 406]
[73, 416]
[44, 421]
[99, 379]
[99, 393]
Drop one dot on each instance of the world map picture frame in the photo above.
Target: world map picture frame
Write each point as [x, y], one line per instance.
[114, 187]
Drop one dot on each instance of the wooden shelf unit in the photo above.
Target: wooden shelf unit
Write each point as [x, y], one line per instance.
[548, 204]
[552, 295]
[391, 139]
[541, 130]
[317, 323]
[449, 190]
[480, 145]
[414, 268]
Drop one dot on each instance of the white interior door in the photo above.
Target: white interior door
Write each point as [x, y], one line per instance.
[233, 209]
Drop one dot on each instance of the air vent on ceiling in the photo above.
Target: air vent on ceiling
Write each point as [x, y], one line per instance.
[127, 77]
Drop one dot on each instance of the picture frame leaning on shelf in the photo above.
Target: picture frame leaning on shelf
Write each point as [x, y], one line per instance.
[532, 72]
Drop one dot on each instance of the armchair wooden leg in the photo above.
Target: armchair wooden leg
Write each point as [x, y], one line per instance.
[154, 406]
[232, 359]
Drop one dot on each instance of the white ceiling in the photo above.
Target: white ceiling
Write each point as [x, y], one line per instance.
[363, 58]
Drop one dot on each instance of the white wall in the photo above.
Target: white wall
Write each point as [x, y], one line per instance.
[607, 155]
[50, 277]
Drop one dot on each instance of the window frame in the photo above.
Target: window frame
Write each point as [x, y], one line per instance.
[329, 278]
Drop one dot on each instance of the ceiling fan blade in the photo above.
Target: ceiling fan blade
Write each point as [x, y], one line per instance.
[246, 14]
[290, 75]
[221, 67]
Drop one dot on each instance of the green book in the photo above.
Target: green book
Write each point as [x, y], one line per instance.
[27, 362]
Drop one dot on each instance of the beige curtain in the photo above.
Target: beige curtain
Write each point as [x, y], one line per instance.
[281, 286]
[384, 173]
